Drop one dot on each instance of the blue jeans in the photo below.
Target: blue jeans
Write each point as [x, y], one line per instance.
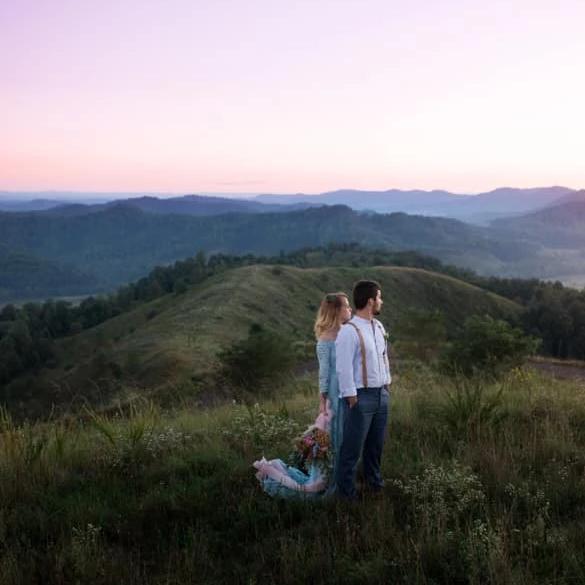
[364, 427]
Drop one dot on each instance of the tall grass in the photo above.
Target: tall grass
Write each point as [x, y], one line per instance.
[484, 483]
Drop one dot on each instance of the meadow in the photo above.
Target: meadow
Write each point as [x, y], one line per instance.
[485, 483]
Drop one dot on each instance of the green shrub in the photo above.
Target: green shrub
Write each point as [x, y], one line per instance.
[262, 357]
[487, 346]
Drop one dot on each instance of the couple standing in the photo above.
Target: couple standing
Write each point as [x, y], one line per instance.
[354, 377]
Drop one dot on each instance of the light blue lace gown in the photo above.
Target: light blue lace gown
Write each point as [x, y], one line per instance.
[327, 385]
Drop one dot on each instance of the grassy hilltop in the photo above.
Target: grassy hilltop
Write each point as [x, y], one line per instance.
[166, 343]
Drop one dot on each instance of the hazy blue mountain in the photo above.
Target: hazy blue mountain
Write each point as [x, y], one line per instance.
[570, 197]
[561, 225]
[379, 201]
[479, 208]
[198, 205]
[206, 205]
[85, 197]
[32, 205]
[506, 201]
[559, 232]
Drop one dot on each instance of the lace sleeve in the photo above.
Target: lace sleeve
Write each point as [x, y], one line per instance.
[324, 357]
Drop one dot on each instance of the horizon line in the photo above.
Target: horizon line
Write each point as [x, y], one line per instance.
[248, 194]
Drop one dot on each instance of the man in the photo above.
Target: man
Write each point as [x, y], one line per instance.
[364, 377]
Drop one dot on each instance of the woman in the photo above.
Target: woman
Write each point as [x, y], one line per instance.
[279, 479]
[333, 312]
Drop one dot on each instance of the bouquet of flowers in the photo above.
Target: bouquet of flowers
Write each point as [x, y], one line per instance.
[308, 475]
[312, 447]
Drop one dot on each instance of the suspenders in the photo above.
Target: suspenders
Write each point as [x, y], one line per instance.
[363, 352]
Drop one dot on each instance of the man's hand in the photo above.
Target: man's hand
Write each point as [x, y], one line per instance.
[322, 403]
[351, 401]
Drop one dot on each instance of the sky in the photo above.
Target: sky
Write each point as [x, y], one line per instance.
[258, 96]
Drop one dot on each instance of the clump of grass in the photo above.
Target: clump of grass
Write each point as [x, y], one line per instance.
[443, 496]
[256, 428]
[471, 403]
[140, 439]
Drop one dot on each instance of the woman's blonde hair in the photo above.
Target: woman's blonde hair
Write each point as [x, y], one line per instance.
[329, 313]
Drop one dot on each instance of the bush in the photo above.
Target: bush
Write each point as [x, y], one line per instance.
[489, 347]
[151, 314]
[262, 357]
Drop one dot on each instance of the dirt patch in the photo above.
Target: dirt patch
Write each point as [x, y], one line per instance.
[558, 370]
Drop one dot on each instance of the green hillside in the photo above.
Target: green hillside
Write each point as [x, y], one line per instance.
[171, 341]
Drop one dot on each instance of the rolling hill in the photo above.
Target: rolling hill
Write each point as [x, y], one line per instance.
[555, 226]
[123, 243]
[559, 232]
[167, 343]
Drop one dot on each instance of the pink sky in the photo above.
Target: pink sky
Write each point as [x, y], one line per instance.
[269, 96]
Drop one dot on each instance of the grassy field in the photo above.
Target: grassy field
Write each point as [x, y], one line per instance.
[485, 483]
[169, 346]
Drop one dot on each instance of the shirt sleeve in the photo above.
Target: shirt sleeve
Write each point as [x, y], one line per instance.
[324, 357]
[345, 346]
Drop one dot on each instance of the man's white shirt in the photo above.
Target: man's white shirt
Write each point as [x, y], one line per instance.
[349, 356]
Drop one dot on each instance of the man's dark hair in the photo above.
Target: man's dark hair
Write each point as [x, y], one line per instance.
[364, 290]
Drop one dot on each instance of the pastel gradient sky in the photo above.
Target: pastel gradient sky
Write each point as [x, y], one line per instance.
[285, 96]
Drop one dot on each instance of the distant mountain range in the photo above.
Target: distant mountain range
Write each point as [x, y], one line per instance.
[89, 248]
[184, 205]
[480, 209]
